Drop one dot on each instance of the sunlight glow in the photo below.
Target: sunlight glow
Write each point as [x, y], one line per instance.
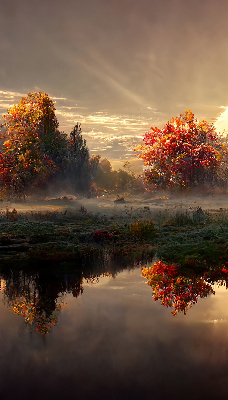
[2, 284]
[221, 123]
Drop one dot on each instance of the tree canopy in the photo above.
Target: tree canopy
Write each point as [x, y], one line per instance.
[36, 113]
[32, 143]
[185, 153]
[33, 150]
[78, 168]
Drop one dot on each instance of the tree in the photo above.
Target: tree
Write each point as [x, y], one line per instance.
[78, 169]
[22, 162]
[185, 153]
[105, 165]
[108, 179]
[33, 149]
[36, 112]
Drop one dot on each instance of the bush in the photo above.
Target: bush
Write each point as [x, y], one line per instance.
[143, 230]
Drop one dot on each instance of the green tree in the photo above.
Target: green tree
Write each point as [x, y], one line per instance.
[77, 171]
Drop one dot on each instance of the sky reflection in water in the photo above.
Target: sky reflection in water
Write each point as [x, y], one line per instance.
[113, 341]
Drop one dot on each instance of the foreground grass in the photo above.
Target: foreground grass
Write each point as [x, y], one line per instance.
[191, 239]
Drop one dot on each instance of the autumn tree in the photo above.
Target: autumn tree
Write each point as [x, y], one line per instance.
[33, 148]
[185, 153]
[36, 111]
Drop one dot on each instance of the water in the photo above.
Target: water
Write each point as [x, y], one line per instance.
[108, 339]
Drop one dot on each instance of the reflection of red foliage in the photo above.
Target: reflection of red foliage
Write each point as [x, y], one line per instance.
[218, 275]
[174, 289]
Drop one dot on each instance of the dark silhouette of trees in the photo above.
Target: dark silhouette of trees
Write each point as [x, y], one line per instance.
[78, 170]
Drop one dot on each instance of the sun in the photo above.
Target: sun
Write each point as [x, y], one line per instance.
[221, 123]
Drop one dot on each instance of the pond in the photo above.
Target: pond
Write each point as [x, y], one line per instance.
[93, 333]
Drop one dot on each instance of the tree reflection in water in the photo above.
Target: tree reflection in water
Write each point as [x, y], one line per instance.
[39, 295]
[180, 289]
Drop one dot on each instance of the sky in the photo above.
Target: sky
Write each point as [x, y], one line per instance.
[117, 66]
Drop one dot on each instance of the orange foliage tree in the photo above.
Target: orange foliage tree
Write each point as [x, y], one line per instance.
[33, 148]
[185, 153]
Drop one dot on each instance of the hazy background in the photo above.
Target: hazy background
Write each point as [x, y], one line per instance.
[117, 66]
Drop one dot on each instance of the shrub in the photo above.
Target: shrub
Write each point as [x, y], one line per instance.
[143, 230]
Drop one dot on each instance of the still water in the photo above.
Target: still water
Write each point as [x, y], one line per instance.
[81, 335]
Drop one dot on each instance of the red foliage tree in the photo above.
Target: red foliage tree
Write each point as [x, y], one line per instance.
[185, 153]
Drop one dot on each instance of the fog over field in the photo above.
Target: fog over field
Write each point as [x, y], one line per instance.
[142, 207]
